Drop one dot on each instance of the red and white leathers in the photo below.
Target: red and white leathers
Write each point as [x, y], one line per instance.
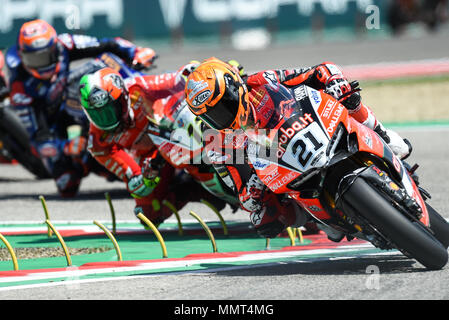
[269, 215]
[122, 152]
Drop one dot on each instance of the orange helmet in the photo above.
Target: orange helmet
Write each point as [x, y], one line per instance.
[216, 93]
[39, 49]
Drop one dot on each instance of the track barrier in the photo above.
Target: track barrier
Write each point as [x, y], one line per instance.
[112, 238]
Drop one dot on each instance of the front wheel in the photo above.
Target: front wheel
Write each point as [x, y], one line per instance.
[439, 226]
[408, 236]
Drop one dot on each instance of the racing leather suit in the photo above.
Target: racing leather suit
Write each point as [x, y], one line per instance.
[123, 152]
[269, 214]
[37, 102]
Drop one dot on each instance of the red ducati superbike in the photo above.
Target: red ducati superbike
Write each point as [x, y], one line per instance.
[346, 177]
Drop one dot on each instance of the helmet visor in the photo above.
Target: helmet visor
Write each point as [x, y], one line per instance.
[109, 116]
[41, 58]
[224, 112]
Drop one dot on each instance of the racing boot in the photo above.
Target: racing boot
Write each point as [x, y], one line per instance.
[349, 95]
[276, 216]
[360, 112]
[402, 148]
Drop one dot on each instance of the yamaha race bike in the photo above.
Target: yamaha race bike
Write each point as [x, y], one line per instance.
[46, 152]
[347, 178]
[15, 143]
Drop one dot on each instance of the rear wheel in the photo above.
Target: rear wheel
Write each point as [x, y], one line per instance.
[411, 237]
[16, 142]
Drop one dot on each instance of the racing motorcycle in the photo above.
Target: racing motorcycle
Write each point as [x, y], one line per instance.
[15, 143]
[69, 115]
[180, 142]
[346, 177]
[14, 139]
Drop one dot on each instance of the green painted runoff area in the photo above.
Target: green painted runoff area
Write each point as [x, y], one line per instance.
[140, 245]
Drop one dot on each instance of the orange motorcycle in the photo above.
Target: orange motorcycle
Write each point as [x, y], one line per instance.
[346, 177]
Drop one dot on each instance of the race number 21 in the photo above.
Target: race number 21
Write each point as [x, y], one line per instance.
[305, 146]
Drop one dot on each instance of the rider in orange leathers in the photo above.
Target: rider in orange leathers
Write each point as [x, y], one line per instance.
[226, 101]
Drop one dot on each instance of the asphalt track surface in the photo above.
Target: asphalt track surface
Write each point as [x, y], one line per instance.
[399, 277]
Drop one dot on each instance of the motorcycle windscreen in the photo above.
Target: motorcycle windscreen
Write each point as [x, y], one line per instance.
[270, 106]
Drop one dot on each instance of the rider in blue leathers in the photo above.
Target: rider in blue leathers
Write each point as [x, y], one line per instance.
[38, 68]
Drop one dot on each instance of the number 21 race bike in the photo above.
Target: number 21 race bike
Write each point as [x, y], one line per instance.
[346, 177]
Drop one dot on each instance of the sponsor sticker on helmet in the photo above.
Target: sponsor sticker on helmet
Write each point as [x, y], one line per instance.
[195, 87]
[98, 98]
[203, 96]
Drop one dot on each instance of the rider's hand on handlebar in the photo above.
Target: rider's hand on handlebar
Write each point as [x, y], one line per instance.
[143, 58]
[75, 146]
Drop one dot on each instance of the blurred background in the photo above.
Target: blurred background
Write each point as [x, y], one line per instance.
[264, 34]
[237, 24]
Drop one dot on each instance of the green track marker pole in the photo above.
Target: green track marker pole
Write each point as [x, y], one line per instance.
[206, 228]
[11, 252]
[155, 231]
[111, 208]
[111, 237]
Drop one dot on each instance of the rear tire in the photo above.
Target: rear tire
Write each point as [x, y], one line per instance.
[406, 235]
[16, 140]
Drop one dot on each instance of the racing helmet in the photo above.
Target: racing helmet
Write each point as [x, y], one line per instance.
[39, 49]
[105, 99]
[216, 93]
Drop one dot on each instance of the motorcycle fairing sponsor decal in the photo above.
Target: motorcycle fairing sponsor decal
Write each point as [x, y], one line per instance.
[315, 97]
[300, 93]
[307, 149]
[283, 180]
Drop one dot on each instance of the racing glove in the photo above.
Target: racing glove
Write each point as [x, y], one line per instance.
[140, 187]
[143, 58]
[187, 69]
[238, 66]
[151, 167]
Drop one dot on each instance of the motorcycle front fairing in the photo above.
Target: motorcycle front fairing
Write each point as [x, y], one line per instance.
[309, 141]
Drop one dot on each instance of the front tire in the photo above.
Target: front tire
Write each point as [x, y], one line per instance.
[439, 226]
[406, 235]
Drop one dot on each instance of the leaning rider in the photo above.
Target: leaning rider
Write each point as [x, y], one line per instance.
[226, 100]
[38, 68]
